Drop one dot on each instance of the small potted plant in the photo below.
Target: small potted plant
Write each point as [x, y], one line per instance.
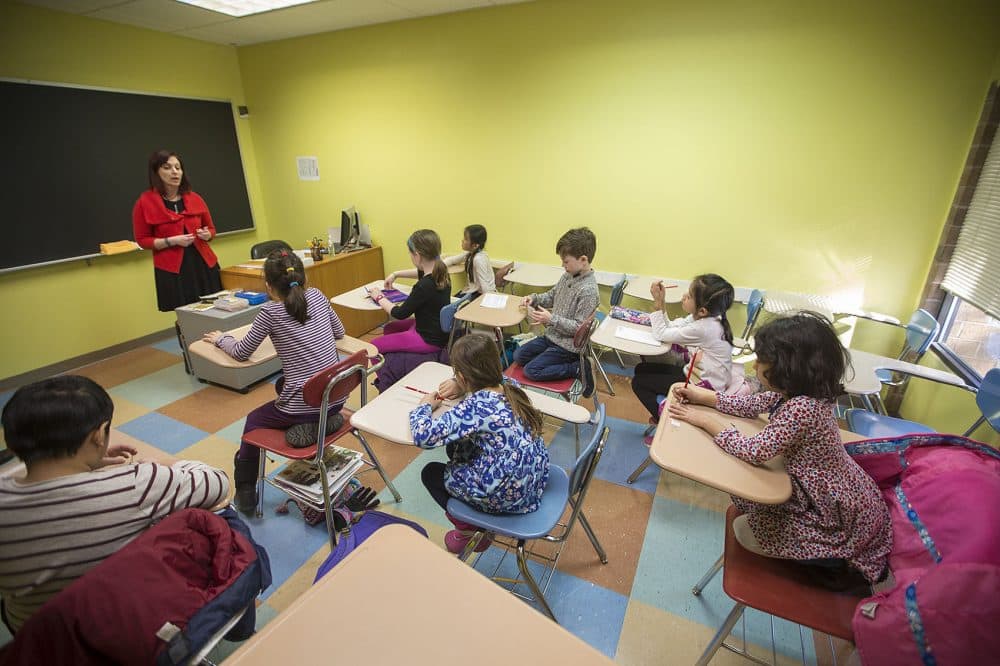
[317, 246]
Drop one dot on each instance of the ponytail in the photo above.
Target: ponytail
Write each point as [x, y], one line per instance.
[716, 295]
[521, 405]
[440, 274]
[286, 276]
[477, 235]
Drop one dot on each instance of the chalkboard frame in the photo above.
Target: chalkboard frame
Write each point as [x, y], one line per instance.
[211, 159]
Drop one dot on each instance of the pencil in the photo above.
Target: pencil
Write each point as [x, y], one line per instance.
[694, 359]
[416, 390]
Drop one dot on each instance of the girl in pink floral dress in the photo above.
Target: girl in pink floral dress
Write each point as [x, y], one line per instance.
[835, 511]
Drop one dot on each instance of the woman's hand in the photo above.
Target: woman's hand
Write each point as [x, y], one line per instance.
[389, 279]
[118, 454]
[695, 395]
[212, 336]
[432, 399]
[449, 389]
[704, 420]
[540, 315]
[181, 240]
[204, 233]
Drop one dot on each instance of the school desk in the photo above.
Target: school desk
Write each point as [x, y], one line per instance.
[214, 365]
[196, 319]
[331, 276]
[430, 609]
[638, 287]
[388, 415]
[864, 382]
[606, 336]
[535, 275]
[781, 302]
[691, 452]
[358, 299]
[511, 314]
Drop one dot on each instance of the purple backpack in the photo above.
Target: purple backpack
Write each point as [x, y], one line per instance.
[370, 523]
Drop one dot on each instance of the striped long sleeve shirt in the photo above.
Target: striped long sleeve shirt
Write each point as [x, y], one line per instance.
[53, 531]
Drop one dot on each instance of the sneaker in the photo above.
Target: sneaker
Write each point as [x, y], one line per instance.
[456, 541]
[302, 435]
[460, 525]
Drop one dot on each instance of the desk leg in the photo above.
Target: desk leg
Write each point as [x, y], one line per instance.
[184, 349]
[639, 470]
[709, 575]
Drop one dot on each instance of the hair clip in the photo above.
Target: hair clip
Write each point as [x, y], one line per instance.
[293, 283]
[284, 253]
[289, 269]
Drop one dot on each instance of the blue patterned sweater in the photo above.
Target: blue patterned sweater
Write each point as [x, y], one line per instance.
[512, 467]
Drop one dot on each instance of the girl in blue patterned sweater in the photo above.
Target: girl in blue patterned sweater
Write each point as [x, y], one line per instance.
[497, 461]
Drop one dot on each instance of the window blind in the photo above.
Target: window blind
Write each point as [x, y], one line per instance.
[974, 271]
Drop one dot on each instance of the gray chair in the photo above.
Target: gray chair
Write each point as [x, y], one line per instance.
[261, 250]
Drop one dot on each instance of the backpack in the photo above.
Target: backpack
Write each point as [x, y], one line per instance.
[369, 523]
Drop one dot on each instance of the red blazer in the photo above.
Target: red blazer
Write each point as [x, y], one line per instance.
[151, 220]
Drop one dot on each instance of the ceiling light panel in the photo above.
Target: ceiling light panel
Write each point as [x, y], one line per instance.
[244, 7]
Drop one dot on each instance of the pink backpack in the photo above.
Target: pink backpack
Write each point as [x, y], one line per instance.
[943, 493]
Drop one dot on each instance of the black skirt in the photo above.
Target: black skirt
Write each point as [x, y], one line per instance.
[194, 280]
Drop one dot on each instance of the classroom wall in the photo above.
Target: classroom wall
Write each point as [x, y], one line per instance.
[67, 310]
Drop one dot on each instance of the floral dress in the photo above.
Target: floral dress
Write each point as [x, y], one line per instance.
[508, 467]
[835, 510]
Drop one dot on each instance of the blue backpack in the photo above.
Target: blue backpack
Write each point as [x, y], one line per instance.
[369, 523]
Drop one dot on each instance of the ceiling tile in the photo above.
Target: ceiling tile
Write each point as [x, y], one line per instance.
[73, 6]
[428, 7]
[165, 15]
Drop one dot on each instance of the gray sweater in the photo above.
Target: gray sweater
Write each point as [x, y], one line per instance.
[572, 300]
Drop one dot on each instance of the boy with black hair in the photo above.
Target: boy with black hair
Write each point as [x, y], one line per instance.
[561, 310]
[78, 502]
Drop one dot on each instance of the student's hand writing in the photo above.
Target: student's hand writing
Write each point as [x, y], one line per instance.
[695, 395]
[375, 293]
[449, 389]
[540, 315]
[212, 336]
[432, 399]
[182, 240]
[204, 233]
[704, 420]
[118, 454]
[362, 500]
[389, 279]
[656, 289]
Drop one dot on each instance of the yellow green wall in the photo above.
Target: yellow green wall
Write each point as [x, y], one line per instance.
[62, 311]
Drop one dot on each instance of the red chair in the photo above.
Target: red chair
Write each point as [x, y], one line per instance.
[565, 387]
[782, 588]
[325, 387]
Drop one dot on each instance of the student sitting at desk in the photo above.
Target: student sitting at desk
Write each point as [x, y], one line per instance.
[422, 333]
[836, 511]
[497, 461]
[573, 299]
[304, 330]
[478, 268]
[82, 499]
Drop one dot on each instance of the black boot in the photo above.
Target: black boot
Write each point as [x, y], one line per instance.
[245, 480]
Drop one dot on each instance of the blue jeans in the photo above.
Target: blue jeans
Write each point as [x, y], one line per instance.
[544, 360]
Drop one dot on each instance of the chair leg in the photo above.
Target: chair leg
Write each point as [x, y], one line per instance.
[721, 634]
[593, 538]
[576, 427]
[709, 575]
[600, 368]
[378, 465]
[522, 564]
[260, 483]
[331, 531]
[621, 361]
[639, 470]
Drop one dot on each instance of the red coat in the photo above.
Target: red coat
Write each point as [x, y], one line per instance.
[151, 220]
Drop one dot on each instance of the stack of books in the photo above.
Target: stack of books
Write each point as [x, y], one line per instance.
[300, 478]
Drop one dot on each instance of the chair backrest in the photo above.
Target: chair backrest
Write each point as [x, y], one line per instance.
[583, 332]
[500, 275]
[754, 305]
[336, 382]
[447, 314]
[921, 331]
[587, 461]
[261, 250]
[988, 398]
[618, 291]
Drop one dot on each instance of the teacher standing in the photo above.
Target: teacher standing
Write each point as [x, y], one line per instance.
[175, 224]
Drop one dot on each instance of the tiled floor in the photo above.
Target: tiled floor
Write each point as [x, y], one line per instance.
[661, 534]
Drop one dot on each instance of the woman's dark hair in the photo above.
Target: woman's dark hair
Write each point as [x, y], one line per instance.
[52, 418]
[477, 236]
[427, 244]
[158, 159]
[286, 276]
[804, 354]
[712, 292]
[477, 358]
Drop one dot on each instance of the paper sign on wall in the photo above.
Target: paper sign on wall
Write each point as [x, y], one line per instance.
[308, 168]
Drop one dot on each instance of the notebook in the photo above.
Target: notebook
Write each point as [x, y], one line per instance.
[632, 334]
[394, 295]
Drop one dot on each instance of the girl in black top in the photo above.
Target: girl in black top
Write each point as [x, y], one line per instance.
[422, 333]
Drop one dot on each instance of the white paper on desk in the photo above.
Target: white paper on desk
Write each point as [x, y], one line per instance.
[642, 337]
[258, 266]
[495, 301]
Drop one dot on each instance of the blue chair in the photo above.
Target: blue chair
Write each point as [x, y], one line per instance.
[921, 331]
[617, 293]
[741, 344]
[562, 489]
[447, 318]
[874, 425]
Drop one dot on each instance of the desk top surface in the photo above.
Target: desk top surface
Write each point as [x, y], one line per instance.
[606, 337]
[684, 449]
[466, 607]
[357, 298]
[865, 381]
[265, 352]
[638, 287]
[535, 275]
[511, 314]
[388, 415]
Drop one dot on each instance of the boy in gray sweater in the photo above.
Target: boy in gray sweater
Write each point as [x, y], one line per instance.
[561, 310]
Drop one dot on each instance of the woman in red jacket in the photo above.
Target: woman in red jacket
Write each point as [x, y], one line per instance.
[175, 224]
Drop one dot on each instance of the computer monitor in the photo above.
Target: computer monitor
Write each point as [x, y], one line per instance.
[349, 228]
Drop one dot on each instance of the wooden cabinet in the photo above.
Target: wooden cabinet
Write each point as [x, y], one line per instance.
[334, 275]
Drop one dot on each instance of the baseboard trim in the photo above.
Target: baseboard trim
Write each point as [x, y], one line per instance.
[89, 358]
